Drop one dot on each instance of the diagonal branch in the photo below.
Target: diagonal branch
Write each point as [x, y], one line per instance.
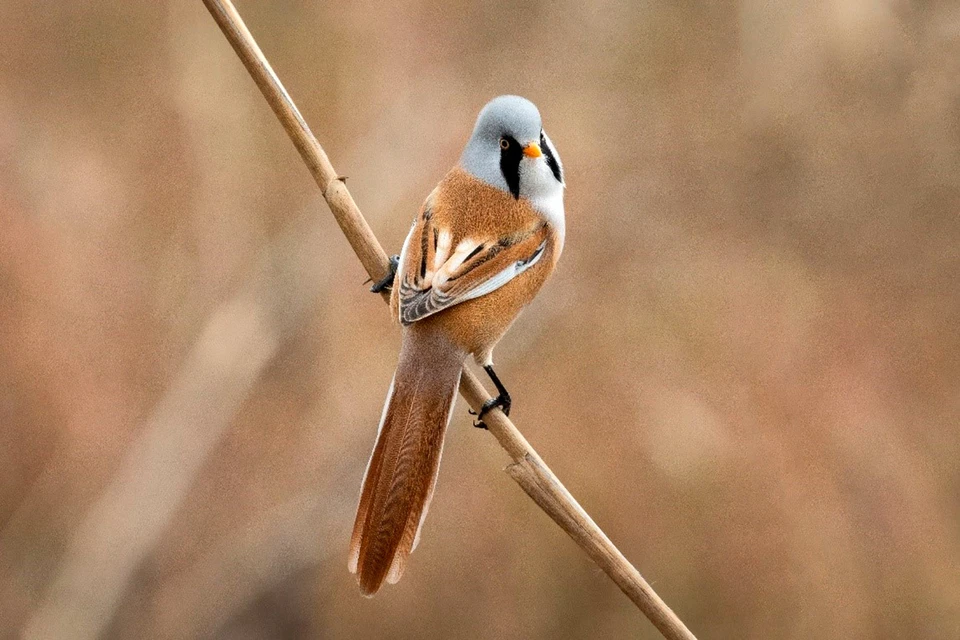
[528, 469]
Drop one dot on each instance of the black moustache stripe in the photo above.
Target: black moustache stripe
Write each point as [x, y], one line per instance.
[510, 165]
[551, 159]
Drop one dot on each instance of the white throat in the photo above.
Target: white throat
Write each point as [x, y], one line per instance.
[539, 186]
[550, 206]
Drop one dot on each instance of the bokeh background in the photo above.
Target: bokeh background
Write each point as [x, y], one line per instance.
[746, 367]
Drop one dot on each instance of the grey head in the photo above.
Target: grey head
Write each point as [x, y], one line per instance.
[510, 150]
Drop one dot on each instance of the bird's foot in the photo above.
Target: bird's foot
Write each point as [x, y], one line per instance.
[386, 283]
[501, 401]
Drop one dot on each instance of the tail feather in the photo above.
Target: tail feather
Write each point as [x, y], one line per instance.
[369, 479]
[402, 471]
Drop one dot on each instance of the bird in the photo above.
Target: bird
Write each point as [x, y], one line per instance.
[482, 245]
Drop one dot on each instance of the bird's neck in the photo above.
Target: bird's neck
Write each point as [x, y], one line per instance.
[550, 207]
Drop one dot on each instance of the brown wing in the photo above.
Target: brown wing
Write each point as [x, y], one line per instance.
[434, 276]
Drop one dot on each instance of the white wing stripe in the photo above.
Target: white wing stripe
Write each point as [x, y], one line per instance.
[443, 249]
[504, 276]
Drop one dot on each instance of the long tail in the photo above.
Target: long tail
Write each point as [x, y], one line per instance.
[402, 471]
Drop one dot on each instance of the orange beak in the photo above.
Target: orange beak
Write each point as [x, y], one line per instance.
[532, 150]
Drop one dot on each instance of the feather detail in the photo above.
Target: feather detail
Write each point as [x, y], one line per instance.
[474, 269]
[402, 471]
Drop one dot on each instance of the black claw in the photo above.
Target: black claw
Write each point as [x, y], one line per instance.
[500, 401]
[386, 283]
[479, 424]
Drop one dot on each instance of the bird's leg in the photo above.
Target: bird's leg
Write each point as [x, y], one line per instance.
[386, 283]
[502, 400]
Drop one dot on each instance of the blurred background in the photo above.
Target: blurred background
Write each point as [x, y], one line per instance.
[746, 366]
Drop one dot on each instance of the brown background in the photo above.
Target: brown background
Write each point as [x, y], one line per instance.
[746, 366]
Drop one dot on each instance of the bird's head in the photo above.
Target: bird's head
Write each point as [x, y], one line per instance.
[510, 150]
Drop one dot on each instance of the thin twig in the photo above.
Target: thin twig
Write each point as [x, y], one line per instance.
[528, 469]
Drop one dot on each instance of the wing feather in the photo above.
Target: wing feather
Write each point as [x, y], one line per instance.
[476, 267]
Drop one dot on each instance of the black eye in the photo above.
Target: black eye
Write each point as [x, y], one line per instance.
[504, 144]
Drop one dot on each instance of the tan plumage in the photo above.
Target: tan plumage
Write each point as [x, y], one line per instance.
[506, 230]
[403, 468]
[476, 255]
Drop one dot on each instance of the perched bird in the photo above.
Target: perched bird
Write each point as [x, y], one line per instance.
[483, 244]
